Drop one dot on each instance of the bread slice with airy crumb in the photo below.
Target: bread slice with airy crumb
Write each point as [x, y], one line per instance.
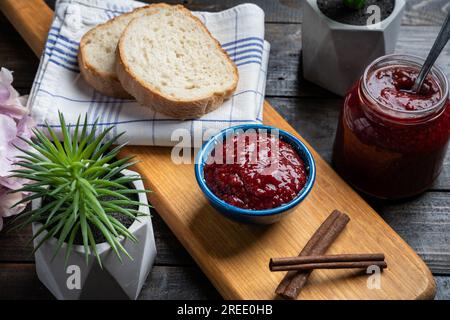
[169, 61]
[97, 54]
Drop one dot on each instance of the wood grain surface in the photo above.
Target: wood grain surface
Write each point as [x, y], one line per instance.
[309, 109]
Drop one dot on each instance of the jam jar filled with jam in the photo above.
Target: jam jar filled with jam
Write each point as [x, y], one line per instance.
[391, 142]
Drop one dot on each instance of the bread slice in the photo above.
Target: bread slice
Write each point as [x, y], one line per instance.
[169, 61]
[97, 54]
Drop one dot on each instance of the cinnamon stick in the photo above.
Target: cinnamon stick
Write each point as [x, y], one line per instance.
[354, 257]
[330, 265]
[330, 229]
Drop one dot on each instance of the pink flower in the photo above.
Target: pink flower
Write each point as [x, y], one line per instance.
[14, 123]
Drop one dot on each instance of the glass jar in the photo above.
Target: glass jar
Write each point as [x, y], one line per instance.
[386, 152]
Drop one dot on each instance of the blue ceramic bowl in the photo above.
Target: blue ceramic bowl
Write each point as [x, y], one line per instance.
[246, 215]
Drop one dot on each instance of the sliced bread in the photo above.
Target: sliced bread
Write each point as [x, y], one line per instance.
[169, 61]
[97, 56]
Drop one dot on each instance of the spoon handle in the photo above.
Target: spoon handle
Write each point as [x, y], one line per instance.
[439, 44]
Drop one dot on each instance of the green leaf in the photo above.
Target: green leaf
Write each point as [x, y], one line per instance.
[109, 192]
[59, 189]
[33, 187]
[355, 4]
[68, 226]
[132, 191]
[58, 204]
[30, 216]
[87, 139]
[92, 147]
[94, 172]
[107, 183]
[87, 185]
[123, 230]
[56, 142]
[48, 235]
[84, 231]
[29, 153]
[27, 199]
[94, 246]
[31, 166]
[105, 160]
[98, 209]
[73, 234]
[116, 208]
[133, 212]
[67, 140]
[119, 245]
[109, 238]
[83, 136]
[126, 164]
[106, 146]
[129, 203]
[47, 148]
[44, 227]
[75, 137]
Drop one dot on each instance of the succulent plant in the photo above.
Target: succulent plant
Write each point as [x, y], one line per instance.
[355, 4]
[73, 176]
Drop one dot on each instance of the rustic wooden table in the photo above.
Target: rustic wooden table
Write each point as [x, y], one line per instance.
[423, 222]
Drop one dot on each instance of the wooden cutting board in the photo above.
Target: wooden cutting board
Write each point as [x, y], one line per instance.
[235, 256]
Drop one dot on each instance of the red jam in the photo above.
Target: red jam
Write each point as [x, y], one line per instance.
[255, 171]
[390, 143]
[390, 85]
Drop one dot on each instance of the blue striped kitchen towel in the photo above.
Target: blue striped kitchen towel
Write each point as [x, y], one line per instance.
[59, 86]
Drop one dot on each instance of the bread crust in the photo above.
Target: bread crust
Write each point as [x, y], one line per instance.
[104, 82]
[149, 96]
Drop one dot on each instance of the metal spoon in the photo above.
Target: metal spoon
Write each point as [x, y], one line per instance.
[439, 44]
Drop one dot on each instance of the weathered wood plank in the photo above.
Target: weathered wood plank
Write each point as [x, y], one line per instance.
[185, 283]
[424, 223]
[169, 250]
[417, 12]
[443, 288]
[19, 281]
[285, 76]
[425, 12]
[14, 246]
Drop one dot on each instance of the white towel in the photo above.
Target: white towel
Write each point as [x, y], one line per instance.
[59, 86]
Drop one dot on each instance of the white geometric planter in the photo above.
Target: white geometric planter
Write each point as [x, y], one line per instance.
[116, 280]
[335, 54]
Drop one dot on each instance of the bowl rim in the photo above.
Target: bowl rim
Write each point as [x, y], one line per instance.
[308, 157]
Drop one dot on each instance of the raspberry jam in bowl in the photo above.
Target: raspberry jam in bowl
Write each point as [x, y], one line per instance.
[391, 142]
[255, 173]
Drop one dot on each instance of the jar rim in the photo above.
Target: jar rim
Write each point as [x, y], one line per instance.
[411, 61]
